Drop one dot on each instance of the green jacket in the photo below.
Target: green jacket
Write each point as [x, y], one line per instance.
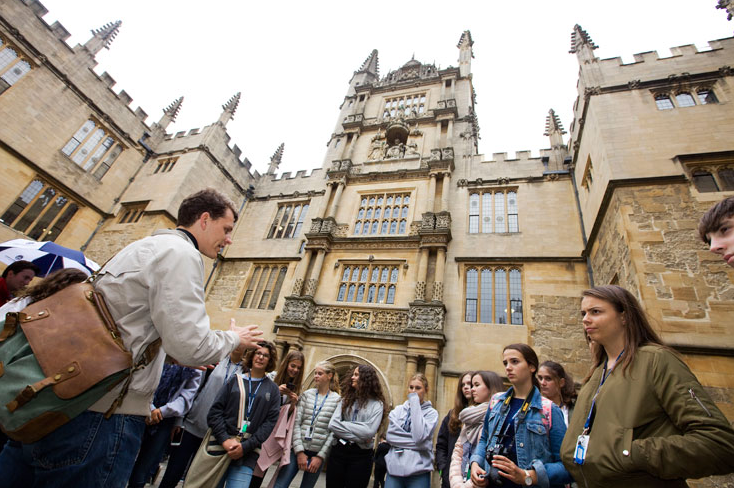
[654, 426]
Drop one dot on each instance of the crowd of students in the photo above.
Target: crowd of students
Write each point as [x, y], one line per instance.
[640, 419]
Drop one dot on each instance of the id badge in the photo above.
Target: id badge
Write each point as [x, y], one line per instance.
[309, 434]
[245, 425]
[579, 454]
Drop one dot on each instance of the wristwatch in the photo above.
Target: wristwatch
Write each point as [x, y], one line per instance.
[528, 478]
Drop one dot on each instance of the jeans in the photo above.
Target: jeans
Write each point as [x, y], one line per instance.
[179, 459]
[152, 449]
[350, 466]
[290, 470]
[422, 480]
[236, 477]
[87, 452]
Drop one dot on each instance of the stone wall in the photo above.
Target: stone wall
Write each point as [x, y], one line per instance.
[557, 333]
[225, 291]
[113, 236]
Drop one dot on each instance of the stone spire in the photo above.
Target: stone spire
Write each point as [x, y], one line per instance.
[465, 53]
[170, 113]
[103, 37]
[559, 151]
[554, 128]
[371, 64]
[229, 109]
[582, 45]
[276, 159]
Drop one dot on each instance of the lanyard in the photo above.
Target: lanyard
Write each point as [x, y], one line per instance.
[406, 424]
[227, 375]
[604, 376]
[355, 411]
[251, 396]
[315, 412]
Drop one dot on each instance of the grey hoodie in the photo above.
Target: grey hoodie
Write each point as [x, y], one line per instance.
[411, 452]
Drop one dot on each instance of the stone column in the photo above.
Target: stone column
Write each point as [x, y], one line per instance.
[301, 273]
[280, 347]
[313, 282]
[411, 366]
[445, 192]
[431, 367]
[351, 146]
[449, 134]
[325, 205]
[420, 285]
[437, 137]
[337, 197]
[431, 193]
[438, 278]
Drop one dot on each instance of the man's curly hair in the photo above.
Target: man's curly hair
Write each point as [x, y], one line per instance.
[368, 388]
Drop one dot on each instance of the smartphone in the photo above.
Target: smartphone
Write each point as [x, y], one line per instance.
[176, 439]
[291, 386]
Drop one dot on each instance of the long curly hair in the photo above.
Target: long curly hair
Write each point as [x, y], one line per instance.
[53, 283]
[368, 388]
[281, 377]
[460, 403]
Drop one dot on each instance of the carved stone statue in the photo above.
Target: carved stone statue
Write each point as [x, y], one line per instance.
[396, 151]
[377, 150]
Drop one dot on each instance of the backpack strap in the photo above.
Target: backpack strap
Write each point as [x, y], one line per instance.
[241, 413]
[547, 413]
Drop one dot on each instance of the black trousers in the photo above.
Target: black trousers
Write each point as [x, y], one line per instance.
[349, 466]
[179, 459]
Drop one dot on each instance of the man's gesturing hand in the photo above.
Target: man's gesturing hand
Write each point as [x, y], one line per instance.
[249, 334]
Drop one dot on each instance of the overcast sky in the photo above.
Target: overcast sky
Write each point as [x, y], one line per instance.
[292, 60]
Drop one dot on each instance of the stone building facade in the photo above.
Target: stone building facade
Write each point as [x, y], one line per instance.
[407, 249]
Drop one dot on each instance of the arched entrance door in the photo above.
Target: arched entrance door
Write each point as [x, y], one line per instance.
[345, 364]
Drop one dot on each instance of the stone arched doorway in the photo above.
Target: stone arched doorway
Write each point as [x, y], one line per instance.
[345, 364]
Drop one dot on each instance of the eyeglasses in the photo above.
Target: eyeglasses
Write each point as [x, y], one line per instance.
[262, 354]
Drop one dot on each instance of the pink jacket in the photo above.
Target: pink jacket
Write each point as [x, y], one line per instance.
[277, 447]
[456, 478]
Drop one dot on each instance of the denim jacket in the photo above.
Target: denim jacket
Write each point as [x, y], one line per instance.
[536, 448]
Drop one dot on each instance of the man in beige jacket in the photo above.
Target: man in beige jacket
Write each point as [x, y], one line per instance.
[154, 288]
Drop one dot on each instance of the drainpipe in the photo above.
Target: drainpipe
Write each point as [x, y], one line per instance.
[148, 154]
[248, 195]
[572, 168]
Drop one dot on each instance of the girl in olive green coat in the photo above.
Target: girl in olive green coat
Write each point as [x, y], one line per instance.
[642, 419]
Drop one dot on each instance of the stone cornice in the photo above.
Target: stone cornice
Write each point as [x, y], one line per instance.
[260, 259]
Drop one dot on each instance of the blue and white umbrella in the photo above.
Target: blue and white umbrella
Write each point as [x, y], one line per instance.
[48, 256]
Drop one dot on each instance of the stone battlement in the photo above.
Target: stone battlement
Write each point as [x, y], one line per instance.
[648, 66]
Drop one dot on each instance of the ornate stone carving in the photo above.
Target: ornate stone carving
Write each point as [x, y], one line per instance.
[437, 291]
[443, 220]
[414, 228]
[428, 318]
[359, 320]
[576, 145]
[503, 180]
[341, 230]
[428, 222]
[435, 155]
[592, 90]
[331, 317]
[420, 290]
[461, 183]
[447, 153]
[315, 225]
[311, 285]
[634, 84]
[389, 320]
[297, 287]
[726, 71]
[396, 151]
[297, 310]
